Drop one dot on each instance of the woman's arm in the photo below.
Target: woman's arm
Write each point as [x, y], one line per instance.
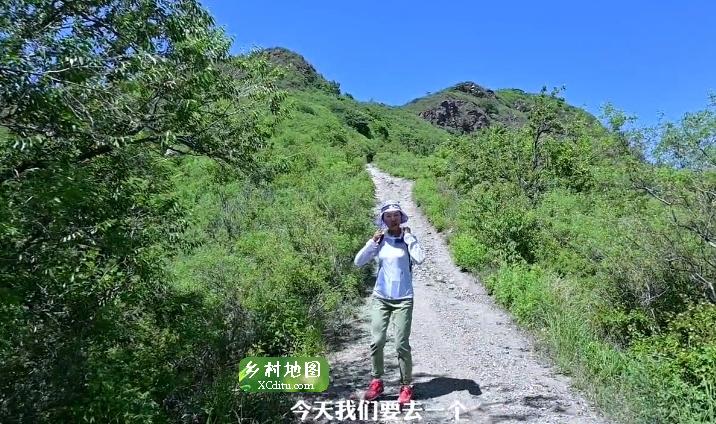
[414, 249]
[367, 253]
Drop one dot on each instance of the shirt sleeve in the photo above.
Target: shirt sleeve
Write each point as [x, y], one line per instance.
[368, 252]
[414, 249]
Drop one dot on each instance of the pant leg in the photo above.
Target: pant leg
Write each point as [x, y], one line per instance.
[380, 317]
[403, 317]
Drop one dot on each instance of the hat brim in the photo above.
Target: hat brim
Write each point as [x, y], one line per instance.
[403, 217]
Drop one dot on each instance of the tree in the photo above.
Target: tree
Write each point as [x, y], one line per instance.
[543, 119]
[79, 79]
[92, 94]
[692, 143]
[683, 180]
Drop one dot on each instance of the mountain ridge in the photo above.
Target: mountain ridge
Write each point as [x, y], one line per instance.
[462, 108]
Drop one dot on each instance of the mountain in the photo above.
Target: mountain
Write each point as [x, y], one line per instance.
[298, 72]
[467, 107]
[460, 109]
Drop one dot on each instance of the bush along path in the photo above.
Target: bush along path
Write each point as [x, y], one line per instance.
[468, 354]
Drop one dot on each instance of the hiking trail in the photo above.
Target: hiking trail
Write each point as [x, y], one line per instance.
[467, 351]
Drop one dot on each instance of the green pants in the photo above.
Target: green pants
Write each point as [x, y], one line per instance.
[402, 311]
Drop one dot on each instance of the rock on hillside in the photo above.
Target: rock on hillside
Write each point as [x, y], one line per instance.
[299, 73]
[467, 107]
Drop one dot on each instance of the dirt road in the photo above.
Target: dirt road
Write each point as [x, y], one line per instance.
[467, 352]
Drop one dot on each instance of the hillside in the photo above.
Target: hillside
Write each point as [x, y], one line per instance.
[467, 107]
[604, 256]
[298, 73]
[463, 108]
[172, 209]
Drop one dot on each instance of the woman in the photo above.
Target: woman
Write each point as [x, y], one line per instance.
[396, 250]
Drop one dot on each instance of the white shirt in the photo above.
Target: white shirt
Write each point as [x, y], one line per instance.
[395, 279]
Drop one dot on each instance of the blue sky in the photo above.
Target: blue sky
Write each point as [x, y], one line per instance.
[644, 57]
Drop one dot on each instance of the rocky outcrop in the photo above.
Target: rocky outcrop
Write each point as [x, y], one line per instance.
[300, 73]
[520, 105]
[476, 90]
[458, 115]
[294, 61]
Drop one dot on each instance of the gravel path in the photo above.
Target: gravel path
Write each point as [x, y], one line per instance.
[467, 352]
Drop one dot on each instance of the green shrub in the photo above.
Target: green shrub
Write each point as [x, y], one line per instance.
[682, 361]
[468, 252]
[524, 290]
[438, 202]
[501, 218]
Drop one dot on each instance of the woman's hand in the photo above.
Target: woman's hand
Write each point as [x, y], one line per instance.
[406, 230]
[378, 235]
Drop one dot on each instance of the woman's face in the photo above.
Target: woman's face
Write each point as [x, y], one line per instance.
[392, 218]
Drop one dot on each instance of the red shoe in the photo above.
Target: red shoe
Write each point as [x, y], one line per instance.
[406, 394]
[374, 390]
